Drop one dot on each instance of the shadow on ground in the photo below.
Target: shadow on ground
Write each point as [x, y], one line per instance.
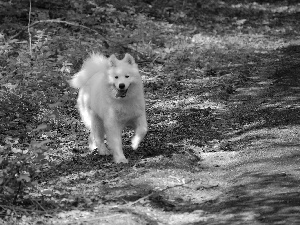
[272, 98]
[264, 200]
[263, 183]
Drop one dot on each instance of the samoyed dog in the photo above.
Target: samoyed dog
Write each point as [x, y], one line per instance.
[111, 97]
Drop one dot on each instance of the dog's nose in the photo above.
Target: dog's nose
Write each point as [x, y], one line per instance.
[122, 86]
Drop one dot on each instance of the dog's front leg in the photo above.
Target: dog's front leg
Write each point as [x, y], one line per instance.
[98, 134]
[140, 132]
[114, 139]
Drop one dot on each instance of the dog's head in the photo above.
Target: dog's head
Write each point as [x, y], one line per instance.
[123, 74]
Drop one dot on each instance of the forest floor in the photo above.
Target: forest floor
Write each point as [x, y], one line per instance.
[223, 109]
[251, 176]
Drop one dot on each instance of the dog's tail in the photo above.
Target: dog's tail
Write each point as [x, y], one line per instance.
[95, 63]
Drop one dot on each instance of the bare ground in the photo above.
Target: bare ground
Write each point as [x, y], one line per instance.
[250, 177]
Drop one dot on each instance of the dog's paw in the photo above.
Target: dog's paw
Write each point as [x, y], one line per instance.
[92, 146]
[135, 142]
[121, 160]
[103, 150]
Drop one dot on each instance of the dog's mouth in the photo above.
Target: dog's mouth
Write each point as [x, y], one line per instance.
[121, 93]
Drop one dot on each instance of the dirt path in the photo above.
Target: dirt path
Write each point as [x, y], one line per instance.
[259, 185]
[254, 179]
[261, 182]
[262, 179]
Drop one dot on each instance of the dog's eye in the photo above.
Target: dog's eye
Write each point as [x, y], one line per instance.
[126, 76]
[116, 77]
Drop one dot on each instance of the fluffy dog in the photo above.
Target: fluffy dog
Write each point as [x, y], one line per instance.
[111, 97]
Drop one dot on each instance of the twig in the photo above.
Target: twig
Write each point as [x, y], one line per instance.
[139, 200]
[64, 22]
[155, 59]
[36, 202]
[152, 193]
[178, 185]
[53, 21]
[98, 219]
[28, 28]
[16, 208]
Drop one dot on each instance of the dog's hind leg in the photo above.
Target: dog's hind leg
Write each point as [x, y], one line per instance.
[86, 115]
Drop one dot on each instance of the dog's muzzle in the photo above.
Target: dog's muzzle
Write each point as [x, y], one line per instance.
[121, 91]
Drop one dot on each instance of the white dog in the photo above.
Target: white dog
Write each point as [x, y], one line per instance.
[111, 96]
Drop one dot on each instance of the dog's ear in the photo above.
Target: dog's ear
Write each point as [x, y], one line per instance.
[129, 59]
[112, 60]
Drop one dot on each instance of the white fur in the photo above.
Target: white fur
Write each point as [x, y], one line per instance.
[102, 110]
